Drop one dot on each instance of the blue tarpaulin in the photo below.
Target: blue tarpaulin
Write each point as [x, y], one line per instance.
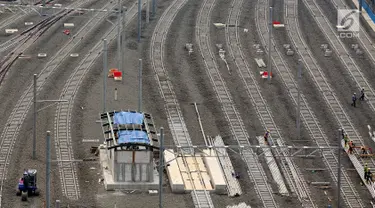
[368, 10]
[136, 136]
[128, 118]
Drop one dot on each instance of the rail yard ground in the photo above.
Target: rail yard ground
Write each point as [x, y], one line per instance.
[191, 83]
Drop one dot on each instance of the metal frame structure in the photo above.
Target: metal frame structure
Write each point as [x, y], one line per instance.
[35, 113]
[293, 151]
[238, 149]
[115, 149]
[109, 130]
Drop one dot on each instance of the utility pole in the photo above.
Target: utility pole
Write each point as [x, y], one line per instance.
[147, 11]
[269, 46]
[119, 31]
[139, 19]
[123, 45]
[153, 8]
[298, 99]
[339, 169]
[48, 169]
[161, 165]
[34, 119]
[57, 204]
[140, 86]
[105, 58]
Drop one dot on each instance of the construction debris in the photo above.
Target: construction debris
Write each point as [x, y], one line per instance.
[259, 51]
[288, 50]
[219, 25]
[319, 183]
[189, 47]
[240, 205]
[326, 50]
[260, 62]
[152, 191]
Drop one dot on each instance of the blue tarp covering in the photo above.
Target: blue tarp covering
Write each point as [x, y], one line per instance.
[368, 10]
[127, 136]
[128, 118]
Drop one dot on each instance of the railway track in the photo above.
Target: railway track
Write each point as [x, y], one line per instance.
[338, 111]
[19, 15]
[309, 119]
[201, 198]
[291, 172]
[365, 40]
[11, 131]
[181, 137]
[175, 118]
[57, 59]
[63, 143]
[255, 170]
[17, 117]
[343, 54]
[27, 38]
[26, 42]
[25, 35]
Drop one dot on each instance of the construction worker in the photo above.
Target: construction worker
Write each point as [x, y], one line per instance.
[351, 146]
[346, 140]
[236, 175]
[343, 133]
[369, 176]
[266, 135]
[354, 99]
[363, 148]
[365, 170]
[362, 94]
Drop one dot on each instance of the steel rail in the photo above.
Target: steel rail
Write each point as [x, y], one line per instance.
[255, 170]
[27, 38]
[175, 119]
[341, 117]
[63, 143]
[201, 198]
[263, 113]
[233, 186]
[10, 20]
[60, 55]
[23, 36]
[342, 53]
[7, 62]
[291, 171]
[30, 31]
[10, 134]
[308, 117]
[366, 42]
[350, 195]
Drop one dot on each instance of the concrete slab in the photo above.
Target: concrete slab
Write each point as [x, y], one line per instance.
[215, 171]
[175, 178]
[110, 184]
